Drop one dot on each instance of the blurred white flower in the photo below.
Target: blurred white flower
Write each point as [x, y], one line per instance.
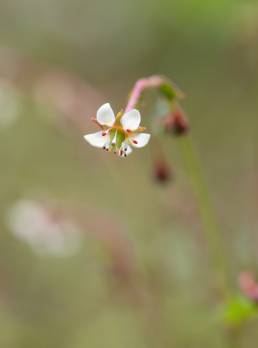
[9, 105]
[46, 231]
[118, 133]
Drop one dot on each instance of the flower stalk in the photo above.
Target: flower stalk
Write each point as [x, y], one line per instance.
[165, 86]
[178, 125]
[211, 227]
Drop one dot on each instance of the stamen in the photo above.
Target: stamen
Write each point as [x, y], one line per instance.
[135, 142]
[104, 133]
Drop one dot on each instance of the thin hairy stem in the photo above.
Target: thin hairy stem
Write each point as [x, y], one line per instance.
[139, 87]
[211, 225]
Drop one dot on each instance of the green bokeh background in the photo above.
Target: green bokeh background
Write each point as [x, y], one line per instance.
[209, 48]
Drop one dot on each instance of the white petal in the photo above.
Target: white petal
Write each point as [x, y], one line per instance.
[129, 150]
[97, 139]
[105, 115]
[131, 120]
[125, 150]
[140, 140]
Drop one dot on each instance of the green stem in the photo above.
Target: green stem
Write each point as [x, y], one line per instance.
[211, 226]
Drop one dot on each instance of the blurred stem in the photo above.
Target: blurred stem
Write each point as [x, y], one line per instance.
[139, 87]
[211, 226]
[161, 83]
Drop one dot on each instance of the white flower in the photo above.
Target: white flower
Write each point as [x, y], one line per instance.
[118, 133]
[46, 232]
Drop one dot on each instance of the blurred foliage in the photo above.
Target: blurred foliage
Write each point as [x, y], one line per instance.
[142, 277]
[239, 309]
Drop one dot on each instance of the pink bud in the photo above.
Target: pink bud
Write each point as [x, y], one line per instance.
[248, 285]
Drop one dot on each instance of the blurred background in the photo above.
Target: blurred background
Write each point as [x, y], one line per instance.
[94, 250]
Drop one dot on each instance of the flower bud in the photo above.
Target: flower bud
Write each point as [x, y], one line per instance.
[176, 122]
[162, 171]
[248, 286]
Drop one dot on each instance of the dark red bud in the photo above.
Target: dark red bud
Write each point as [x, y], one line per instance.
[176, 122]
[162, 171]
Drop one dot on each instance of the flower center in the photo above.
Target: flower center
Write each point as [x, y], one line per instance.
[116, 138]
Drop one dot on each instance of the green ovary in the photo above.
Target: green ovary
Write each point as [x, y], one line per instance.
[120, 137]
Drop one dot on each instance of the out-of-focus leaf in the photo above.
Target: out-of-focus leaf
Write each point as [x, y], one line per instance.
[238, 310]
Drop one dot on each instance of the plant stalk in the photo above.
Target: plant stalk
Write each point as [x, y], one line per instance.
[211, 227]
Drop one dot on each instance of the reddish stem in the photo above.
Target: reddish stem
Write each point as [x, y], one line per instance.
[140, 86]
